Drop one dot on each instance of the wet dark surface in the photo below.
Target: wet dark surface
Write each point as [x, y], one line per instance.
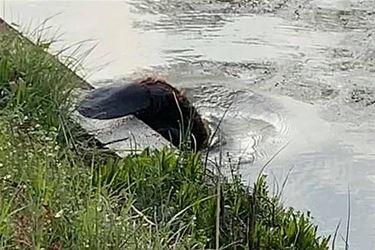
[297, 72]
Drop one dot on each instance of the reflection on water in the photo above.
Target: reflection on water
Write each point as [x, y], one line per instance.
[297, 72]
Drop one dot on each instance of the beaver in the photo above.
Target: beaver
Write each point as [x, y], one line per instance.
[155, 102]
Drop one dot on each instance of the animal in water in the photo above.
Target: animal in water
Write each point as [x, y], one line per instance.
[157, 103]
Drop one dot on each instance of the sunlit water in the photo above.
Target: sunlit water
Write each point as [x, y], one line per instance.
[302, 74]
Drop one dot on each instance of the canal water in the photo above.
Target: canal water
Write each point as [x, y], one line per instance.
[291, 78]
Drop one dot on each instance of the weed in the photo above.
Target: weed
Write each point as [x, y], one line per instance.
[59, 191]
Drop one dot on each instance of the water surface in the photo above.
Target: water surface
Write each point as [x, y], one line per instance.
[297, 72]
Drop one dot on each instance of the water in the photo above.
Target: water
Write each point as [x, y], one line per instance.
[298, 72]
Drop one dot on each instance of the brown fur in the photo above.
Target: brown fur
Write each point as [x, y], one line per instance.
[167, 112]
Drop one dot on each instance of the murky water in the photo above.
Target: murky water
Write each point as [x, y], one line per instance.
[298, 72]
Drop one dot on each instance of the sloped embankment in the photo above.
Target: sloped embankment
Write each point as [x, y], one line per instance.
[62, 192]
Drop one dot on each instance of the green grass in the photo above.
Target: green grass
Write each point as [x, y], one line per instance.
[58, 192]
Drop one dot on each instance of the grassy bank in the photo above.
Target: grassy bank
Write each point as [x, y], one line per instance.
[58, 192]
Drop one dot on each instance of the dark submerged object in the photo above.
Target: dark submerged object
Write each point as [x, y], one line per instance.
[153, 101]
